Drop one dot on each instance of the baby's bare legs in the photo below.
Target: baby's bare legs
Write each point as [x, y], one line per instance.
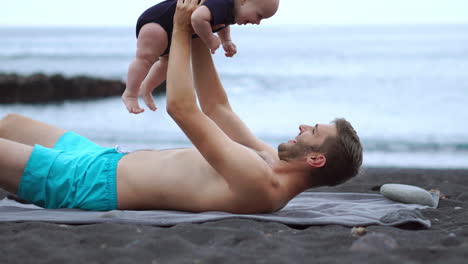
[155, 77]
[151, 43]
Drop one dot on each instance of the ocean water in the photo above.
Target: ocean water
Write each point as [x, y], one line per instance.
[403, 87]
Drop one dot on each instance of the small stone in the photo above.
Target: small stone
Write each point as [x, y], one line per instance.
[358, 231]
[457, 208]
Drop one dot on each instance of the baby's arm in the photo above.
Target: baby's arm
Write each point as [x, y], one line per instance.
[201, 18]
[228, 46]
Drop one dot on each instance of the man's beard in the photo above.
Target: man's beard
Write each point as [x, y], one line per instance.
[292, 151]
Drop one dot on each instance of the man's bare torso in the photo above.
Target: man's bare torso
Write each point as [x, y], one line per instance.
[178, 179]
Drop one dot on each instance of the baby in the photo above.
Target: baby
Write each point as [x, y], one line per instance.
[154, 32]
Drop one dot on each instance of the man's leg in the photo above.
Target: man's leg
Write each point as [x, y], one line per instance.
[21, 129]
[13, 159]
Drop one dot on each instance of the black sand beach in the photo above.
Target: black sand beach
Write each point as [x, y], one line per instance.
[247, 241]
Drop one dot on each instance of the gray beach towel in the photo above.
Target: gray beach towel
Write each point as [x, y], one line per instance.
[308, 208]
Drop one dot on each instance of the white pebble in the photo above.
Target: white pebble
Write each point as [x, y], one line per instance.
[407, 194]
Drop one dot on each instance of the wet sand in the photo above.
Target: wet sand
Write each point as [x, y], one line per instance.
[247, 241]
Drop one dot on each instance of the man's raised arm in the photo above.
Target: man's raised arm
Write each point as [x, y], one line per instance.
[243, 169]
[215, 103]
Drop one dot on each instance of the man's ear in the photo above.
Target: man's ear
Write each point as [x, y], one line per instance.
[316, 160]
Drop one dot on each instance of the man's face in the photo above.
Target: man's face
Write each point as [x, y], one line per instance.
[253, 11]
[308, 136]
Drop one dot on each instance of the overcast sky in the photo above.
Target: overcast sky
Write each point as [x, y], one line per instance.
[125, 12]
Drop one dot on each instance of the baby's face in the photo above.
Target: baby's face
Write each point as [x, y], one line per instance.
[253, 11]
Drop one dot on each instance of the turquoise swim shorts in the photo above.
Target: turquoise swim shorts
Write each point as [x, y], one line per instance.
[75, 173]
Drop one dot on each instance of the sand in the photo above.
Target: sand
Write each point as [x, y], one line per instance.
[247, 241]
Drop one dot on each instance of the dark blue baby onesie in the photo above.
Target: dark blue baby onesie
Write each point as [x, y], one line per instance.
[222, 12]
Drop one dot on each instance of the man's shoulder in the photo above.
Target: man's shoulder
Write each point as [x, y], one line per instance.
[267, 198]
[266, 189]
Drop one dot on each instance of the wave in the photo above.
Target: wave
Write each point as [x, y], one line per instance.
[370, 145]
[412, 146]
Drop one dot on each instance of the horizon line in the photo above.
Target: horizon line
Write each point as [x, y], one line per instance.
[461, 23]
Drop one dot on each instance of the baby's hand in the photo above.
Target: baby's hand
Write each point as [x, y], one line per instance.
[229, 48]
[214, 44]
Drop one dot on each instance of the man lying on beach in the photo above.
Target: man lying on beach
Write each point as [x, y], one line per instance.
[229, 169]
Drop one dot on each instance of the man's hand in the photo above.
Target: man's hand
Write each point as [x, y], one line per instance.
[182, 16]
[229, 48]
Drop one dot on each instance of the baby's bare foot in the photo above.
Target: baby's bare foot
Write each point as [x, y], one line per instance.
[131, 102]
[149, 101]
